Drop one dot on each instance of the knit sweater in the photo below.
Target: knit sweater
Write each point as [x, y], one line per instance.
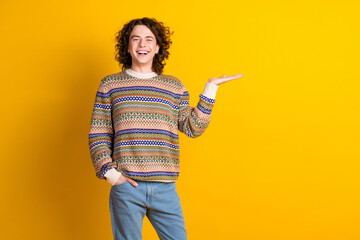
[135, 122]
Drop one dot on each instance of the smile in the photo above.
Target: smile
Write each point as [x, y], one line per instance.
[142, 53]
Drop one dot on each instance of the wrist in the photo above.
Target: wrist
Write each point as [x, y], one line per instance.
[210, 90]
[112, 176]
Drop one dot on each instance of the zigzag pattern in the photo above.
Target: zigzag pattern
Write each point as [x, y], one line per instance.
[135, 123]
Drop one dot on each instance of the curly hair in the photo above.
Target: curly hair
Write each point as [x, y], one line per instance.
[162, 35]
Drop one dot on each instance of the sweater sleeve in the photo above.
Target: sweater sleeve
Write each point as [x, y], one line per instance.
[193, 121]
[101, 136]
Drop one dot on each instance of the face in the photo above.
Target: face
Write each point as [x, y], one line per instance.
[142, 46]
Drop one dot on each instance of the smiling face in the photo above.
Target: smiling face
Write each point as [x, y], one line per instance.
[142, 48]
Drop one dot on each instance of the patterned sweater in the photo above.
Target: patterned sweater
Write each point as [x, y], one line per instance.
[135, 122]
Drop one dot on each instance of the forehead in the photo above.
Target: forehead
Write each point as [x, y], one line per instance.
[141, 31]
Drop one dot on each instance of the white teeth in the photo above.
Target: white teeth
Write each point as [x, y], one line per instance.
[142, 52]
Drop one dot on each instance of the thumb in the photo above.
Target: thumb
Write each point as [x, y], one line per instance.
[135, 184]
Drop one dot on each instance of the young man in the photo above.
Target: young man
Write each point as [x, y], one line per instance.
[133, 137]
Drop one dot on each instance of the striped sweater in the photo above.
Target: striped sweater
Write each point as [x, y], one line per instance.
[135, 122]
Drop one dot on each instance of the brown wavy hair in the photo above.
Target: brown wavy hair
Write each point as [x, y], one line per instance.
[162, 35]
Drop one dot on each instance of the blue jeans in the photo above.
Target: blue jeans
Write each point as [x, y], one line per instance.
[157, 200]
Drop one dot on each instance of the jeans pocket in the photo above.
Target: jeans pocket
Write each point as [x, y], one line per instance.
[120, 184]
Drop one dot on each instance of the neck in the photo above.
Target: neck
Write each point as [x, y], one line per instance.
[141, 69]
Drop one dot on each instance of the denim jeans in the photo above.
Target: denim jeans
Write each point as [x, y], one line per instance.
[159, 201]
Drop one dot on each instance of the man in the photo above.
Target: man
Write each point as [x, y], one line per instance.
[133, 137]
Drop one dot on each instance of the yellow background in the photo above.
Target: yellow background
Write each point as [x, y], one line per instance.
[279, 161]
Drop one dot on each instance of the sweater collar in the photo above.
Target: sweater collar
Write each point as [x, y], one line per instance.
[139, 74]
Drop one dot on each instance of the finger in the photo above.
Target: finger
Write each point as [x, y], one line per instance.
[232, 77]
[237, 75]
[135, 184]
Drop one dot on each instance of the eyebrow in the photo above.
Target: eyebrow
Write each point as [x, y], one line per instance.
[139, 36]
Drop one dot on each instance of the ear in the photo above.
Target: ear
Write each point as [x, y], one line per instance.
[157, 48]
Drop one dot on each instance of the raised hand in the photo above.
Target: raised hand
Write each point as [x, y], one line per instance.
[224, 79]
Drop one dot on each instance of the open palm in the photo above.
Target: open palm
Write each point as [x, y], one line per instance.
[224, 79]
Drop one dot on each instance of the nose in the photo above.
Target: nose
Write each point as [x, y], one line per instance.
[142, 43]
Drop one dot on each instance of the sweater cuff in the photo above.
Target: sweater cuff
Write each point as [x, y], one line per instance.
[210, 90]
[112, 176]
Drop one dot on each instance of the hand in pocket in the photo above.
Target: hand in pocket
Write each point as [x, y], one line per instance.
[122, 179]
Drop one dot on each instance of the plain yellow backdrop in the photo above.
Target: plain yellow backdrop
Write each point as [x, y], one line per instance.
[279, 161]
